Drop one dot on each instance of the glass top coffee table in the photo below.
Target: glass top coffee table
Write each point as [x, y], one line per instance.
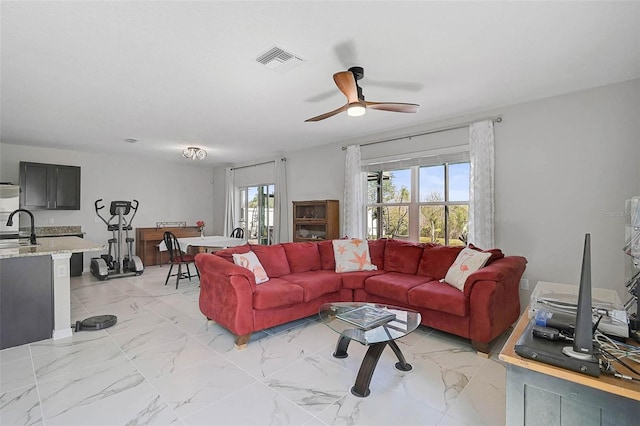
[372, 325]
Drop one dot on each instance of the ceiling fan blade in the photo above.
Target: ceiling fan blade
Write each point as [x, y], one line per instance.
[346, 53]
[322, 96]
[328, 114]
[393, 106]
[398, 85]
[346, 82]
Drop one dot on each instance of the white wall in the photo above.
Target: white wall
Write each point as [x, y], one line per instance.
[167, 191]
[219, 198]
[565, 166]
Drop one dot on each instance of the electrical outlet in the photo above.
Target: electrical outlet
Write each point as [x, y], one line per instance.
[51, 221]
[524, 284]
[61, 271]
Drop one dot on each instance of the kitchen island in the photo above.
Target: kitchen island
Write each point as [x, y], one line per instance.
[35, 293]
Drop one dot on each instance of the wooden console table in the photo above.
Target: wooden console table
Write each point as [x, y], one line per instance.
[542, 394]
[148, 239]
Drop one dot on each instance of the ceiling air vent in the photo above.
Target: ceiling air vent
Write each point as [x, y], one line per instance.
[279, 59]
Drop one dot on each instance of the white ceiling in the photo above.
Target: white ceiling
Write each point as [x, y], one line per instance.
[87, 75]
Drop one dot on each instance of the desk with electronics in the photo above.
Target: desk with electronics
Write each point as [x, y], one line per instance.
[544, 389]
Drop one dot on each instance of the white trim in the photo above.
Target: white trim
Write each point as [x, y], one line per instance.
[62, 333]
[60, 270]
[65, 255]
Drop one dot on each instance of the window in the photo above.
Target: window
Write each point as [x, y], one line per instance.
[426, 203]
[256, 213]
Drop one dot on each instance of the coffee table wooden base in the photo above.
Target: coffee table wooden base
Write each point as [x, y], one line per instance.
[368, 366]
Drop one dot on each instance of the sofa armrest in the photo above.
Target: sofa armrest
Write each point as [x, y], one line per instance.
[494, 299]
[507, 267]
[226, 293]
[209, 262]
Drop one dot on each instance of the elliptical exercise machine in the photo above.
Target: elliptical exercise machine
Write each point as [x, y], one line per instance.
[108, 266]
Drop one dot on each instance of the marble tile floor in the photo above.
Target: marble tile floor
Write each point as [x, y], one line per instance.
[163, 363]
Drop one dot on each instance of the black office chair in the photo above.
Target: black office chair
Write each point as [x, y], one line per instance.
[176, 257]
[237, 233]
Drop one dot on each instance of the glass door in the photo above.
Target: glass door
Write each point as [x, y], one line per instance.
[256, 213]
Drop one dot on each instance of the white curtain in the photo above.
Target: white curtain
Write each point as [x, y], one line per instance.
[229, 211]
[353, 194]
[481, 201]
[281, 216]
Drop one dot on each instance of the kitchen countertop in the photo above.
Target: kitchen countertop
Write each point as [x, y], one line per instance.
[52, 245]
[51, 231]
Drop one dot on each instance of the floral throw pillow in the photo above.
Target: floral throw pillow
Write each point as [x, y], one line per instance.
[352, 255]
[467, 262]
[250, 261]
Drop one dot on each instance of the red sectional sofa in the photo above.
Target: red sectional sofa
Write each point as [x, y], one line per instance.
[302, 277]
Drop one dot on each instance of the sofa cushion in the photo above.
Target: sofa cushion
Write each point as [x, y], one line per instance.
[436, 260]
[277, 292]
[250, 261]
[302, 257]
[273, 259]
[439, 297]
[393, 285]
[467, 262]
[316, 283]
[352, 255]
[356, 279]
[327, 259]
[228, 253]
[495, 253]
[402, 256]
[376, 251]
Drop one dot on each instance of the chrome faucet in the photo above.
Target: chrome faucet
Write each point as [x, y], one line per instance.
[33, 228]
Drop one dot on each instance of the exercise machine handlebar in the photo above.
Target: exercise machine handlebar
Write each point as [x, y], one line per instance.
[98, 208]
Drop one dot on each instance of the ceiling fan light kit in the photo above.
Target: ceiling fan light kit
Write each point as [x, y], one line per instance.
[356, 106]
[356, 110]
[194, 153]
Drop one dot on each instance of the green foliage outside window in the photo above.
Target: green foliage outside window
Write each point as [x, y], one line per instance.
[438, 220]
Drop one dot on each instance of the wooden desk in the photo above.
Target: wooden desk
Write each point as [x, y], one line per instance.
[542, 394]
[148, 239]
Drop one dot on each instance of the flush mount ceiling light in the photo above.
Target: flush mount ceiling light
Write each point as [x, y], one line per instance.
[194, 153]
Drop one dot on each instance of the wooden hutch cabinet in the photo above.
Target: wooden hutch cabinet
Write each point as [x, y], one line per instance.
[316, 220]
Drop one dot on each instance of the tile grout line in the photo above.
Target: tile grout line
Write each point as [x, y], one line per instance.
[146, 379]
[35, 378]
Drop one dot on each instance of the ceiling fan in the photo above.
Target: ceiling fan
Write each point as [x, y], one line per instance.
[347, 82]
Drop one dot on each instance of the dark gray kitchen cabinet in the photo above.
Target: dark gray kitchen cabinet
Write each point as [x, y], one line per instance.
[49, 186]
[26, 300]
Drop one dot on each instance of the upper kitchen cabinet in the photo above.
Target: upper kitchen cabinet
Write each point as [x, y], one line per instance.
[49, 186]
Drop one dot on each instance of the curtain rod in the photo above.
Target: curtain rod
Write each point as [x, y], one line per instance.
[497, 119]
[258, 164]
[253, 165]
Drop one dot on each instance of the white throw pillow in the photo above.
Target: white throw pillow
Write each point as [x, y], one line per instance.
[352, 255]
[250, 261]
[467, 262]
